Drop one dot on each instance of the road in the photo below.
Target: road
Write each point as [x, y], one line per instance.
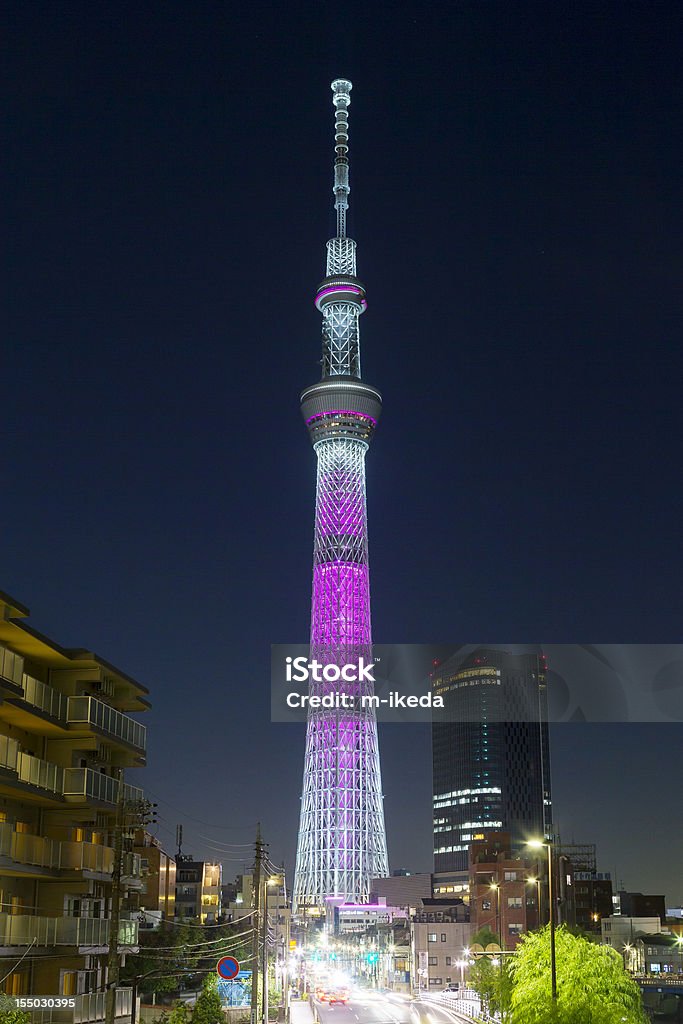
[377, 1008]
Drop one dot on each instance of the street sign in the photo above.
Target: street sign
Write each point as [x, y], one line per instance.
[227, 968]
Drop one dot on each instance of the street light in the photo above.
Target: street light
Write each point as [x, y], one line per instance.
[679, 943]
[537, 883]
[273, 880]
[495, 887]
[538, 844]
[462, 964]
[628, 949]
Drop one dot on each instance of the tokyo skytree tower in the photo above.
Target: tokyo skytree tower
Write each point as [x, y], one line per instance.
[342, 841]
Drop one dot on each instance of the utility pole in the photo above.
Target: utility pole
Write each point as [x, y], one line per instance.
[113, 964]
[264, 970]
[258, 857]
[141, 813]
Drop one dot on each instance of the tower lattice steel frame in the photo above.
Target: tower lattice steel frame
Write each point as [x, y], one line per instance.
[342, 842]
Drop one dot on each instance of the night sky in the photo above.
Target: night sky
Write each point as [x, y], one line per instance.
[516, 199]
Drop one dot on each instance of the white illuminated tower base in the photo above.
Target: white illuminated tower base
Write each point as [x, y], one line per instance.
[342, 840]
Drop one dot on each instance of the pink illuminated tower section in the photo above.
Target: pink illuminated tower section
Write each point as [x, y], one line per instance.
[342, 842]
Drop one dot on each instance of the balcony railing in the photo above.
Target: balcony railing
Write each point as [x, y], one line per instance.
[44, 697]
[87, 857]
[65, 855]
[9, 752]
[11, 665]
[42, 774]
[89, 1009]
[26, 849]
[114, 723]
[23, 929]
[85, 784]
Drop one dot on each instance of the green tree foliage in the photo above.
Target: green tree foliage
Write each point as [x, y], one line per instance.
[165, 954]
[482, 978]
[493, 984]
[484, 937]
[9, 1014]
[180, 1014]
[208, 1009]
[592, 985]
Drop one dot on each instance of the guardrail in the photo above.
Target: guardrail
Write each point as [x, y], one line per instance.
[465, 1002]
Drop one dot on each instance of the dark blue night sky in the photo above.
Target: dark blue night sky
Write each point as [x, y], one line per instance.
[516, 200]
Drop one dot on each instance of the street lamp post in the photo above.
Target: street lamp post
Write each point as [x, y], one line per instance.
[627, 955]
[537, 883]
[679, 943]
[495, 887]
[537, 844]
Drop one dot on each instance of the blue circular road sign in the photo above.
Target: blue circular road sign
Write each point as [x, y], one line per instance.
[228, 968]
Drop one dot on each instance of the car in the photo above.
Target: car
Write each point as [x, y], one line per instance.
[339, 995]
[452, 988]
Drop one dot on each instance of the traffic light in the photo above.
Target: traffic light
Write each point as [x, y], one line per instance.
[372, 958]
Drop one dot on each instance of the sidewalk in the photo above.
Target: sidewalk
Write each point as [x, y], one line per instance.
[300, 1012]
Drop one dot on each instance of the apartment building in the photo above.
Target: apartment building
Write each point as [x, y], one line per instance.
[66, 738]
[157, 898]
[198, 889]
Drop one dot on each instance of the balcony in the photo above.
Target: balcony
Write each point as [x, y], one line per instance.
[84, 784]
[114, 724]
[25, 849]
[86, 857]
[9, 752]
[44, 697]
[90, 1008]
[42, 774]
[23, 929]
[11, 667]
[51, 853]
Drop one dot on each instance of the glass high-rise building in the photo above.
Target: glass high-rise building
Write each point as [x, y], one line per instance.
[491, 761]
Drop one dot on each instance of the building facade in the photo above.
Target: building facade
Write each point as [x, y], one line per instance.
[491, 761]
[66, 738]
[506, 890]
[198, 890]
[157, 898]
[440, 935]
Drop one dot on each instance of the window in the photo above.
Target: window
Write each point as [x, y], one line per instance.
[515, 902]
[433, 961]
[431, 937]
[510, 876]
[449, 962]
[436, 981]
[515, 929]
[443, 936]
[486, 904]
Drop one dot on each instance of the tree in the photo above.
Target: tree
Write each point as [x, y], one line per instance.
[163, 957]
[208, 1008]
[592, 985]
[179, 1014]
[493, 984]
[482, 978]
[9, 1014]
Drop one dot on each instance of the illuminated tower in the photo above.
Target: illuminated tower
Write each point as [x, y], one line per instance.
[342, 842]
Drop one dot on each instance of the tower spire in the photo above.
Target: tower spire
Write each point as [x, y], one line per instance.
[341, 296]
[341, 88]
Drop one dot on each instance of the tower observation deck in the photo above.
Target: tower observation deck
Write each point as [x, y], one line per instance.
[342, 841]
